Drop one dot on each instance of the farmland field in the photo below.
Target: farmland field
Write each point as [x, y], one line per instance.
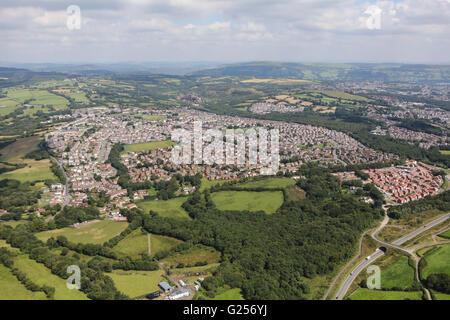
[96, 232]
[39, 97]
[12, 289]
[166, 208]
[399, 275]
[367, 294]
[39, 274]
[267, 201]
[147, 146]
[136, 283]
[437, 261]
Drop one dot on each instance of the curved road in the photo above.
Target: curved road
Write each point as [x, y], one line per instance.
[378, 253]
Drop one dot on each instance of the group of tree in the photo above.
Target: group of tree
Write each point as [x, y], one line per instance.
[94, 282]
[269, 256]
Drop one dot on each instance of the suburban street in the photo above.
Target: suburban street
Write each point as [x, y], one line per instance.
[378, 253]
[66, 191]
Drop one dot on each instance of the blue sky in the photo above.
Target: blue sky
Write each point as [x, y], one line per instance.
[411, 31]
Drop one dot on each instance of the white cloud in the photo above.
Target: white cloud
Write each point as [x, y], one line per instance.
[213, 29]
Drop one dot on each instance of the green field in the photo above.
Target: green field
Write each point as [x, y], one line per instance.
[34, 171]
[270, 183]
[133, 245]
[231, 294]
[437, 261]
[445, 234]
[267, 201]
[96, 232]
[367, 294]
[193, 256]
[147, 146]
[136, 243]
[166, 208]
[206, 184]
[12, 289]
[39, 274]
[397, 275]
[441, 296]
[39, 97]
[136, 283]
[446, 152]
[160, 243]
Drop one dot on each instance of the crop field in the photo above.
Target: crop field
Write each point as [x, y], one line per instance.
[367, 294]
[147, 146]
[34, 171]
[397, 275]
[12, 289]
[166, 208]
[267, 201]
[39, 274]
[95, 232]
[193, 256]
[437, 261]
[136, 283]
[270, 183]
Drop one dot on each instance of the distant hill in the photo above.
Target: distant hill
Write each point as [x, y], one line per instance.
[341, 72]
[14, 76]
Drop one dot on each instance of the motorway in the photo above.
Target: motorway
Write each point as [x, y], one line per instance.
[378, 253]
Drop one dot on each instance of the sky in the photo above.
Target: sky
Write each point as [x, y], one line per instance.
[405, 31]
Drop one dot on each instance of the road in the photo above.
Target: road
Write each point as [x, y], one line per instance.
[378, 253]
[67, 193]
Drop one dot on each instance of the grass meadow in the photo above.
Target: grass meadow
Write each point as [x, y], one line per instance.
[95, 232]
[267, 201]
